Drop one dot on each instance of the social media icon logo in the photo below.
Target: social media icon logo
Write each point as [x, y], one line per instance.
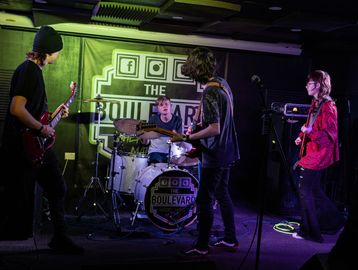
[177, 74]
[156, 68]
[127, 65]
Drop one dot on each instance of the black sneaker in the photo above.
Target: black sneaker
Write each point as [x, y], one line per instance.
[63, 244]
[195, 251]
[222, 244]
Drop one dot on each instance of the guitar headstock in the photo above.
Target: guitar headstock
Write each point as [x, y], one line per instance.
[73, 87]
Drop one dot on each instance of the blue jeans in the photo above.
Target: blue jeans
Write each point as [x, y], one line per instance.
[214, 183]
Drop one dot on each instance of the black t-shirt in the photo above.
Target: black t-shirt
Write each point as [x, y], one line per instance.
[222, 149]
[27, 81]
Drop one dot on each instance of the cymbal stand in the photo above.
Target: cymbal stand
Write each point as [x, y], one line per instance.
[95, 181]
[114, 193]
[169, 152]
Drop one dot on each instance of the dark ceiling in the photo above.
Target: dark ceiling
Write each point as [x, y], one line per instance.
[318, 24]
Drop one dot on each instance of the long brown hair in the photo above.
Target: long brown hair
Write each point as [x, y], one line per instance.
[200, 65]
[323, 78]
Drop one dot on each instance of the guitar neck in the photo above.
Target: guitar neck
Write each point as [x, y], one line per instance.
[55, 119]
[161, 131]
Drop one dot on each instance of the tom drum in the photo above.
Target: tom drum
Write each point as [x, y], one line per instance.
[124, 172]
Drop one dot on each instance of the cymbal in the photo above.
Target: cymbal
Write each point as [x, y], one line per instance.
[127, 126]
[100, 99]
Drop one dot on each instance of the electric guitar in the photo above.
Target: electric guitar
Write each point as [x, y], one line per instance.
[194, 152]
[36, 145]
[145, 127]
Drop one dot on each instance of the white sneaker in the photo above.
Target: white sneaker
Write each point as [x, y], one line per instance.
[297, 236]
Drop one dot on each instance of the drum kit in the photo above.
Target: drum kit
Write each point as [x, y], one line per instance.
[164, 192]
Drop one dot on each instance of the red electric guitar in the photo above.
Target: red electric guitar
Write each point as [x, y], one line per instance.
[36, 145]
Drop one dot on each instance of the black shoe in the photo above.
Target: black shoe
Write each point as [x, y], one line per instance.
[195, 251]
[63, 244]
[224, 245]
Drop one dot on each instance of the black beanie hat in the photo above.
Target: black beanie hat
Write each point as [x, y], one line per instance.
[47, 40]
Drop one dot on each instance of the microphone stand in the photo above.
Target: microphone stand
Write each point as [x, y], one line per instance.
[265, 132]
[267, 127]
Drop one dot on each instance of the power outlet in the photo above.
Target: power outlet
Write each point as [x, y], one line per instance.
[70, 156]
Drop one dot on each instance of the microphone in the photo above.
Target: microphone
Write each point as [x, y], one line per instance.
[256, 79]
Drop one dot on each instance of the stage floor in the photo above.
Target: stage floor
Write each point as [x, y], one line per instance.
[143, 245]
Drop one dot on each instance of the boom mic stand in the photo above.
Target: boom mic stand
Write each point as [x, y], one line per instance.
[267, 126]
[95, 181]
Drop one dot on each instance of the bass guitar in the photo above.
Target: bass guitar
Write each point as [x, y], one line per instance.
[36, 145]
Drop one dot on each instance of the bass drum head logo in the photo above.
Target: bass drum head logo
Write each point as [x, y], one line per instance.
[170, 200]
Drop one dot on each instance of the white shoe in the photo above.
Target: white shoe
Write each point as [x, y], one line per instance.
[297, 236]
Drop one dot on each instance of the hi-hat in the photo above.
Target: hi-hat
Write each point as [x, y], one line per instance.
[100, 99]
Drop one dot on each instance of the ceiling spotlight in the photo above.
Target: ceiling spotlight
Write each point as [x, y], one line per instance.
[275, 8]
[295, 29]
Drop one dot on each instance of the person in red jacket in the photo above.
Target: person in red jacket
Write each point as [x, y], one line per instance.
[319, 150]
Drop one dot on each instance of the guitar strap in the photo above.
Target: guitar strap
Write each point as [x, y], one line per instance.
[220, 85]
[312, 115]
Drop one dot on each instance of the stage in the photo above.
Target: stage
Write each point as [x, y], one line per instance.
[142, 245]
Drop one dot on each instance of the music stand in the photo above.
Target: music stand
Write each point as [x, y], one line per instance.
[94, 181]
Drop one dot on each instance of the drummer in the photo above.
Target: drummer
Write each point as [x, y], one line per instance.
[159, 145]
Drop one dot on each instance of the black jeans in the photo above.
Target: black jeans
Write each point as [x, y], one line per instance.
[19, 194]
[317, 210]
[214, 184]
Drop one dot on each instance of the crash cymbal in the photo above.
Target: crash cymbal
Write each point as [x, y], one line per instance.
[100, 99]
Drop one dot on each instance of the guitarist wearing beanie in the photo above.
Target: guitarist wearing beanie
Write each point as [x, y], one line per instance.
[25, 115]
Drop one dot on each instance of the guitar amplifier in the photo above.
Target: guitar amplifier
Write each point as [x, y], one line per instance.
[291, 110]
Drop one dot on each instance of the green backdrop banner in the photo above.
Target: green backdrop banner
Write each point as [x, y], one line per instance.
[132, 76]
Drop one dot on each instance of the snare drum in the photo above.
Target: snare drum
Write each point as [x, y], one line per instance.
[167, 195]
[178, 156]
[124, 172]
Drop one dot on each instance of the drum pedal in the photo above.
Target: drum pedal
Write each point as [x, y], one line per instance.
[142, 215]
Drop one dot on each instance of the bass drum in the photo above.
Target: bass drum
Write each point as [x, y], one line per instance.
[167, 195]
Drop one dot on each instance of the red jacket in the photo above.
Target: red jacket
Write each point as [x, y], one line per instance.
[322, 142]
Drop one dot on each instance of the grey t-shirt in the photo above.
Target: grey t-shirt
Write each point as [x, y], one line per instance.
[223, 149]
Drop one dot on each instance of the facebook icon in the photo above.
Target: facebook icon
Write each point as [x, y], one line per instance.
[127, 65]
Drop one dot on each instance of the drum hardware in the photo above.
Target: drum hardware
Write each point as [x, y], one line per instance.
[94, 181]
[178, 155]
[98, 99]
[114, 194]
[124, 169]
